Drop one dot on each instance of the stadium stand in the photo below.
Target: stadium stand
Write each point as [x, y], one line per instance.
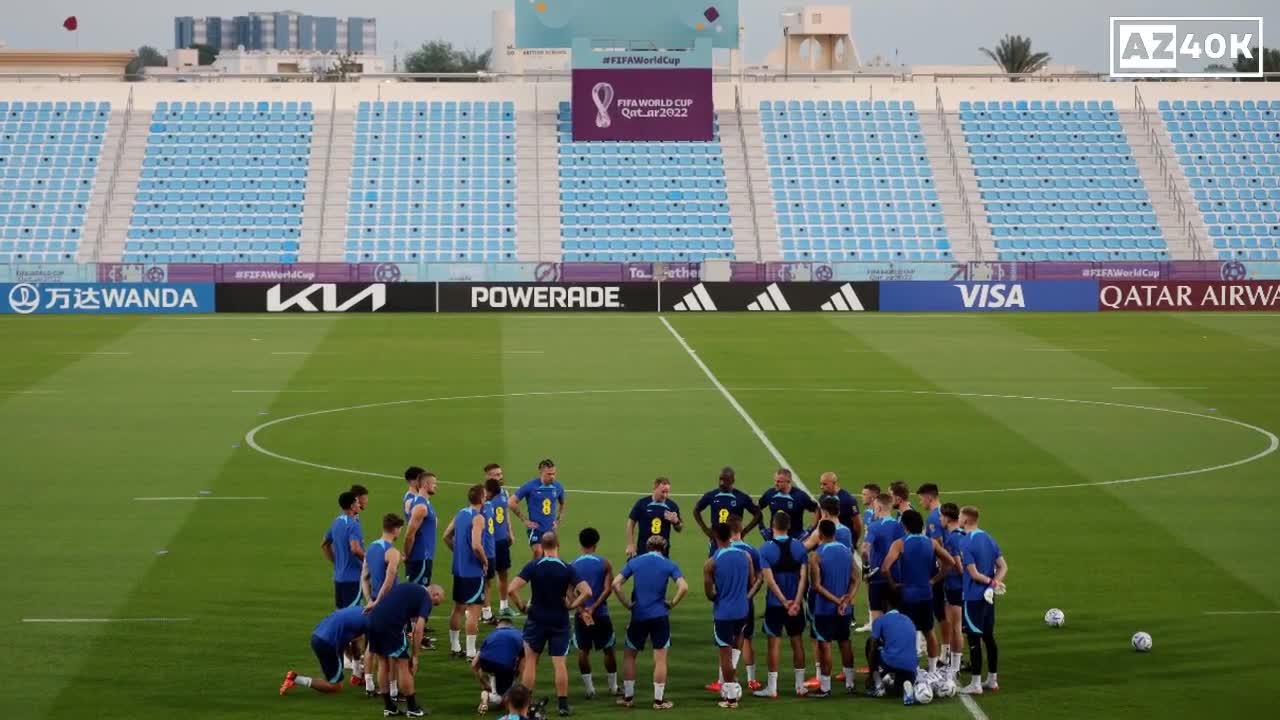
[1229, 151]
[850, 180]
[434, 182]
[49, 157]
[1059, 181]
[222, 182]
[642, 201]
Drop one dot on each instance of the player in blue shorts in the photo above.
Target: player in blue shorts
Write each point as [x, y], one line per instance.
[381, 563]
[653, 514]
[498, 662]
[727, 579]
[835, 581]
[785, 569]
[725, 501]
[985, 570]
[893, 658]
[395, 635]
[592, 626]
[870, 492]
[917, 560]
[498, 498]
[420, 520]
[328, 640]
[953, 584]
[343, 546]
[465, 537]
[545, 497]
[881, 534]
[550, 583]
[784, 496]
[931, 508]
[490, 541]
[650, 617]
[745, 651]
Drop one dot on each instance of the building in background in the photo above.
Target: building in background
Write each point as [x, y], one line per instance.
[286, 30]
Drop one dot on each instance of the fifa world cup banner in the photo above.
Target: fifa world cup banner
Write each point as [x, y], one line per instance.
[641, 96]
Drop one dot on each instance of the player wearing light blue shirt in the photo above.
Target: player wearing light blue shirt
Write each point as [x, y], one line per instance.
[328, 640]
[592, 627]
[953, 585]
[545, 498]
[835, 581]
[344, 547]
[420, 519]
[465, 537]
[501, 565]
[785, 569]
[931, 507]
[917, 558]
[881, 534]
[381, 563]
[727, 581]
[893, 654]
[650, 616]
[985, 569]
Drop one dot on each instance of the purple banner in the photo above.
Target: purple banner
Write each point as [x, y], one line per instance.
[637, 105]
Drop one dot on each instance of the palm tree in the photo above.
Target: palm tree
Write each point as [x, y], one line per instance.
[1014, 56]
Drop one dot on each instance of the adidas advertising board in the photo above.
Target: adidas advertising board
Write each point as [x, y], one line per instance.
[548, 297]
[326, 297]
[772, 297]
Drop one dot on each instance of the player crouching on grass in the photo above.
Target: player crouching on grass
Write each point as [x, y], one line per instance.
[499, 660]
[330, 637]
[893, 658]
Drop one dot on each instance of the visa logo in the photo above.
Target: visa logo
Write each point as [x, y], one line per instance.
[994, 296]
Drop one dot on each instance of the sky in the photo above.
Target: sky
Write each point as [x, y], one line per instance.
[918, 31]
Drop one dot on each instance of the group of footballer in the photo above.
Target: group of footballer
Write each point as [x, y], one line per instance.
[933, 577]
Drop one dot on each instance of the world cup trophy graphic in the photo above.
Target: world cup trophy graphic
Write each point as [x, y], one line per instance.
[602, 95]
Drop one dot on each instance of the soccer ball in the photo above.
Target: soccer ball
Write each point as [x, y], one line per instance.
[945, 688]
[1055, 618]
[1141, 642]
[924, 693]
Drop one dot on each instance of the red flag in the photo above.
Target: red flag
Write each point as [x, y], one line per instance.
[70, 23]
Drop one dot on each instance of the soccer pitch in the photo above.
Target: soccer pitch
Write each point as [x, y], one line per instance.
[1123, 462]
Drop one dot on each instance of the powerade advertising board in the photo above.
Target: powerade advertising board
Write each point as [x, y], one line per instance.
[105, 299]
[635, 96]
[1029, 296]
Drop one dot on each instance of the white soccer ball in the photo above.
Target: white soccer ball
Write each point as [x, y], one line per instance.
[924, 693]
[1141, 642]
[1055, 618]
[945, 688]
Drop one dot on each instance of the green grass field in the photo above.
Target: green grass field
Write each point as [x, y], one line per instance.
[1032, 417]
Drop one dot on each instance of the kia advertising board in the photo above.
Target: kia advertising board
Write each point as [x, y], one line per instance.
[326, 297]
[1028, 296]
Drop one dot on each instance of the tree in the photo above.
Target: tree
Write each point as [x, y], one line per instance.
[439, 56]
[1270, 62]
[343, 67]
[1013, 55]
[146, 57]
[208, 53]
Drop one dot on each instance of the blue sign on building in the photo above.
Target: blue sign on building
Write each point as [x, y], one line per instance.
[105, 298]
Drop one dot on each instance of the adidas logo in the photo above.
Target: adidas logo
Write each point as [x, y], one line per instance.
[696, 300]
[771, 300]
[845, 300]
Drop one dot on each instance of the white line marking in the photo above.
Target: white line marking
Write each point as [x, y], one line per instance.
[1169, 387]
[733, 402]
[107, 620]
[273, 392]
[29, 392]
[201, 497]
[1066, 350]
[1273, 441]
[524, 352]
[94, 353]
[295, 352]
[972, 706]
[1242, 612]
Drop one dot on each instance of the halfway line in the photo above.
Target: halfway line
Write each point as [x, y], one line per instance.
[273, 392]
[201, 497]
[1242, 612]
[107, 620]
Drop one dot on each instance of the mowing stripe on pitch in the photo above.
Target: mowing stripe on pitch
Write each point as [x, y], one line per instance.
[200, 497]
[1139, 387]
[1242, 612]
[273, 392]
[968, 702]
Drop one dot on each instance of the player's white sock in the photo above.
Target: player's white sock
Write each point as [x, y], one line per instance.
[302, 680]
[455, 641]
[591, 686]
[955, 662]
[817, 668]
[720, 676]
[629, 688]
[848, 677]
[493, 685]
[799, 678]
[751, 674]
[734, 657]
[876, 681]
[824, 683]
[486, 613]
[613, 683]
[659, 690]
[771, 684]
[368, 681]
[347, 663]
[395, 688]
[502, 605]
[991, 678]
[471, 646]
[933, 664]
